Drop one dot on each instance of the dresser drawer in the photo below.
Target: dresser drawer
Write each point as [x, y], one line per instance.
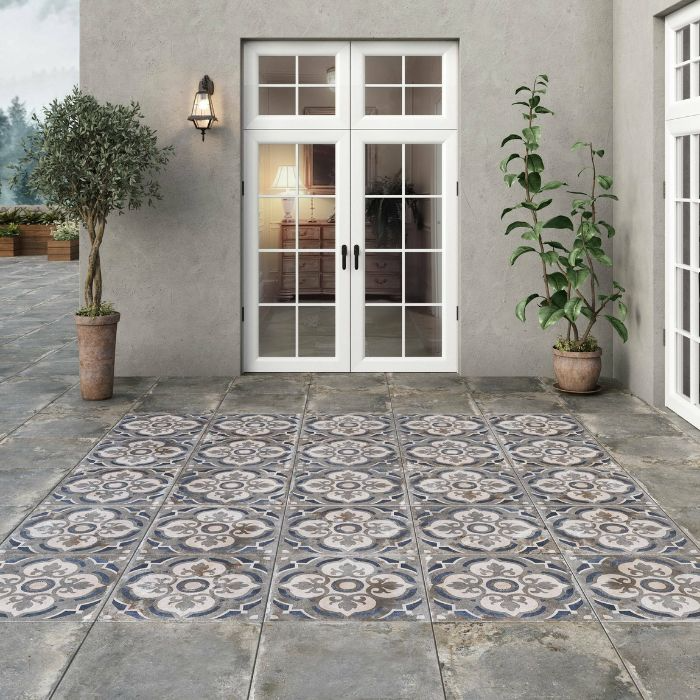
[309, 263]
[384, 283]
[328, 263]
[328, 281]
[383, 263]
[309, 282]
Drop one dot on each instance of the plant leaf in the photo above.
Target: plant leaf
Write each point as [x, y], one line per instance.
[552, 185]
[604, 181]
[619, 326]
[549, 316]
[557, 281]
[608, 228]
[522, 304]
[572, 309]
[520, 250]
[516, 224]
[503, 165]
[579, 144]
[560, 222]
[511, 137]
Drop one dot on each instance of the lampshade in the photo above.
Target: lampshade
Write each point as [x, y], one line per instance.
[202, 114]
[286, 178]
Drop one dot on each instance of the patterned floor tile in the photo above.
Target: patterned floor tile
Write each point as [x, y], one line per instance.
[234, 452]
[258, 425]
[492, 485]
[213, 529]
[132, 487]
[482, 587]
[555, 452]
[230, 487]
[349, 425]
[421, 426]
[451, 452]
[535, 425]
[49, 588]
[583, 485]
[645, 588]
[104, 530]
[358, 587]
[348, 452]
[185, 428]
[510, 530]
[343, 530]
[180, 587]
[366, 486]
[121, 453]
[616, 530]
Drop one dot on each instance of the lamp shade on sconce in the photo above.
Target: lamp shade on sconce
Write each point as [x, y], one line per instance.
[202, 115]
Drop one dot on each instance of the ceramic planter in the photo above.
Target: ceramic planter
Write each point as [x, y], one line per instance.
[577, 372]
[62, 250]
[9, 246]
[97, 337]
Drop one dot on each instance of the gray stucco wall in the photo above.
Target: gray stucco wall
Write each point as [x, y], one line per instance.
[174, 271]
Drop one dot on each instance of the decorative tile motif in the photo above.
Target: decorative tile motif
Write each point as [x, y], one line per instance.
[452, 452]
[486, 588]
[255, 425]
[218, 450]
[137, 452]
[347, 530]
[349, 425]
[160, 425]
[559, 452]
[230, 486]
[50, 588]
[133, 487]
[218, 529]
[351, 453]
[464, 486]
[178, 588]
[376, 587]
[105, 530]
[649, 588]
[616, 530]
[536, 425]
[442, 426]
[462, 530]
[367, 486]
[584, 486]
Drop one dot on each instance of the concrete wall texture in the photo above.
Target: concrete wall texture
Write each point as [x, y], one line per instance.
[174, 271]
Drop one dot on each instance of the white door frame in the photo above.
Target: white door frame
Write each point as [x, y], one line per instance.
[682, 120]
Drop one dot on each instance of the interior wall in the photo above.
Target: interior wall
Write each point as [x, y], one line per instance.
[174, 271]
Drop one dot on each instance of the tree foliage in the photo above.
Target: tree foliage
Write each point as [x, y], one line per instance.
[570, 287]
[94, 159]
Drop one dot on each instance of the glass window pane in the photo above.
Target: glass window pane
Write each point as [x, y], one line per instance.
[317, 69]
[317, 210]
[383, 100]
[273, 232]
[424, 278]
[383, 168]
[277, 172]
[316, 100]
[382, 331]
[423, 223]
[424, 69]
[276, 100]
[683, 365]
[277, 277]
[383, 277]
[683, 227]
[423, 168]
[683, 82]
[276, 335]
[683, 167]
[382, 69]
[276, 69]
[318, 168]
[309, 235]
[423, 331]
[424, 100]
[316, 331]
[683, 299]
[683, 44]
[316, 277]
[383, 226]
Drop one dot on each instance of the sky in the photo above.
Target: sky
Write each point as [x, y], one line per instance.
[40, 50]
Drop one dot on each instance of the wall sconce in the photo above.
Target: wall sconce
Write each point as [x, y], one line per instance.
[202, 114]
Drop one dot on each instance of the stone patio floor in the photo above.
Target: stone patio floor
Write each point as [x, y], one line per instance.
[320, 536]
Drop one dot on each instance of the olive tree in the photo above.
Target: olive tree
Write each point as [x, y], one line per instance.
[93, 159]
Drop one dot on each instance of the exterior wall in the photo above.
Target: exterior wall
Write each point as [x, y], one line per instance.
[174, 271]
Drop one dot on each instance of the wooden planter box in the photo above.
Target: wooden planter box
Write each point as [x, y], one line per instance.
[62, 250]
[34, 238]
[9, 246]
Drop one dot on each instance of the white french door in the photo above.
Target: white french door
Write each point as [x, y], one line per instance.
[350, 241]
[683, 213]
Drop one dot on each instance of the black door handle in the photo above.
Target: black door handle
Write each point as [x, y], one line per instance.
[344, 254]
[356, 253]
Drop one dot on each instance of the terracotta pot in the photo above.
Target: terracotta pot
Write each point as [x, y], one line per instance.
[577, 372]
[97, 338]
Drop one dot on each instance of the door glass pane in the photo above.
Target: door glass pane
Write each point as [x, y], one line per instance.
[276, 100]
[382, 70]
[683, 167]
[317, 277]
[683, 226]
[316, 331]
[382, 331]
[273, 231]
[683, 365]
[318, 168]
[383, 277]
[383, 168]
[383, 224]
[423, 278]
[277, 171]
[382, 100]
[276, 69]
[424, 69]
[277, 277]
[423, 100]
[423, 331]
[316, 69]
[423, 168]
[683, 297]
[276, 336]
[423, 223]
[316, 100]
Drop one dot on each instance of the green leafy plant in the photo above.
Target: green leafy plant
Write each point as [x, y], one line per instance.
[25, 216]
[66, 231]
[570, 284]
[105, 308]
[9, 231]
[94, 159]
[590, 344]
[386, 212]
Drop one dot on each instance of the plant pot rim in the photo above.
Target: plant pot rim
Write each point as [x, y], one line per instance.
[582, 355]
[97, 320]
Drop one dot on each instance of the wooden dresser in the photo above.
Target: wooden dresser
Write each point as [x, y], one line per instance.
[317, 270]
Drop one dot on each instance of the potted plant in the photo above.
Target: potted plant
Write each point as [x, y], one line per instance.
[570, 291]
[9, 240]
[94, 159]
[63, 244]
